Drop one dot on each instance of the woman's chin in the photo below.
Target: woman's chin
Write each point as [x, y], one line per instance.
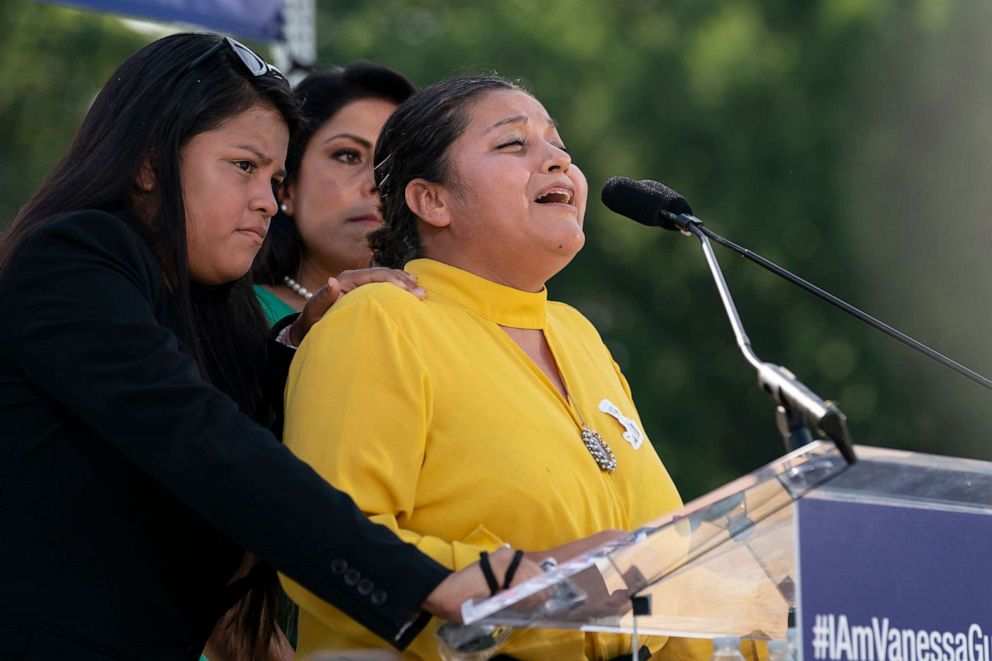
[558, 255]
[570, 242]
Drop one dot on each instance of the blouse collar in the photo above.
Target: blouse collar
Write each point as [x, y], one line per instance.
[498, 303]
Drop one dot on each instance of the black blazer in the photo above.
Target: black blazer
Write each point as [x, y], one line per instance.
[128, 485]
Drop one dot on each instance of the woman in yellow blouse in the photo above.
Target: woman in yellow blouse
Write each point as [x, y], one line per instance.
[484, 414]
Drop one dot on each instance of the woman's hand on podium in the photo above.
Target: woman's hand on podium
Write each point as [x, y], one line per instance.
[446, 600]
[460, 586]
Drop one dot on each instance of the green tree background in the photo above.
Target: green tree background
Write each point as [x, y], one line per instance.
[847, 140]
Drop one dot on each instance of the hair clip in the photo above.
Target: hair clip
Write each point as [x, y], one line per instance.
[382, 182]
[383, 161]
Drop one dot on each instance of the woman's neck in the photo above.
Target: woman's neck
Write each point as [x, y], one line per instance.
[507, 274]
[311, 277]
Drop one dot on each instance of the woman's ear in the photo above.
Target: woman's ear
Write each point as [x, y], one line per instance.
[427, 202]
[285, 197]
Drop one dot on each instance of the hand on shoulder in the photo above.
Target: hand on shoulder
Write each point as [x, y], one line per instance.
[346, 281]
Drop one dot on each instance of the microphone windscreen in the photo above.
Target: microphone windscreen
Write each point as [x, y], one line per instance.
[643, 201]
[674, 203]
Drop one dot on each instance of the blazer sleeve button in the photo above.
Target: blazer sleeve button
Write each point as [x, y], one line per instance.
[379, 597]
[351, 577]
[338, 566]
[365, 587]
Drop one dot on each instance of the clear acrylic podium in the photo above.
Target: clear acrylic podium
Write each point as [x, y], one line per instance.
[729, 563]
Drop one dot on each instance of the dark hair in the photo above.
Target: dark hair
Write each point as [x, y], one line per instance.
[414, 145]
[151, 107]
[322, 94]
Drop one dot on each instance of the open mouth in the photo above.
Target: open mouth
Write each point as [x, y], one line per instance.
[555, 196]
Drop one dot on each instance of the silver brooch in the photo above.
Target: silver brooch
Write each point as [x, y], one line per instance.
[599, 449]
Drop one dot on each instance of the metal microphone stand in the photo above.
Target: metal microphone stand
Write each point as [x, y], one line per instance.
[846, 307]
[798, 407]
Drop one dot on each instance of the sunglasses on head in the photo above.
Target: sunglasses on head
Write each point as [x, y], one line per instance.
[255, 64]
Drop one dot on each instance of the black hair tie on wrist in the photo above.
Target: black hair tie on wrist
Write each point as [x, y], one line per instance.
[518, 555]
[487, 572]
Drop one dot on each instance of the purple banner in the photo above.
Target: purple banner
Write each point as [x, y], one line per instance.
[254, 19]
[893, 583]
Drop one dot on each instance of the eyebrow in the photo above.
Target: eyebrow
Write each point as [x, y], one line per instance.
[352, 136]
[514, 120]
[262, 158]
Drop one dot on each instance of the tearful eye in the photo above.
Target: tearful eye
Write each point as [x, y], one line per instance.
[516, 142]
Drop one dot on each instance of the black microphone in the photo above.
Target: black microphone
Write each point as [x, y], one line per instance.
[648, 202]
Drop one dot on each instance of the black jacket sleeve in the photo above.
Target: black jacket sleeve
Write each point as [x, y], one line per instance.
[89, 334]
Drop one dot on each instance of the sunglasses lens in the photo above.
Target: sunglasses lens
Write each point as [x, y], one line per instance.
[255, 64]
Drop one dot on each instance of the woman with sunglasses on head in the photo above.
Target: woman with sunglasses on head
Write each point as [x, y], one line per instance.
[328, 202]
[133, 476]
[501, 417]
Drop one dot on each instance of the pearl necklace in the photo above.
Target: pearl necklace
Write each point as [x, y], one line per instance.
[297, 287]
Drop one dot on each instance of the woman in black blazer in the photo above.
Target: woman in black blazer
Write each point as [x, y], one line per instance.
[132, 473]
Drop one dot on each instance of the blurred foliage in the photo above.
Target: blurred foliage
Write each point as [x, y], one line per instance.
[52, 63]
[846, 140]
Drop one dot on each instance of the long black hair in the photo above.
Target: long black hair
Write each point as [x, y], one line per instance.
[151, 107]
[322, 94]
[413, 145]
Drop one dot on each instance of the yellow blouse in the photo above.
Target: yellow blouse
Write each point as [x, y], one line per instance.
[441, 428]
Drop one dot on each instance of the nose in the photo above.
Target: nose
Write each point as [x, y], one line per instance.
[557, 159]
[367, 184]
[264, 200]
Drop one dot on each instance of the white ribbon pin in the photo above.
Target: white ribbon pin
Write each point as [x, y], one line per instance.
[632, 433]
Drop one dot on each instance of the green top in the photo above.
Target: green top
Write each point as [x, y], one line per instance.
[273, 306]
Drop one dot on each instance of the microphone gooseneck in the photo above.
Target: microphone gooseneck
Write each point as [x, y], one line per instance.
[654, 204]
[665, 209]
